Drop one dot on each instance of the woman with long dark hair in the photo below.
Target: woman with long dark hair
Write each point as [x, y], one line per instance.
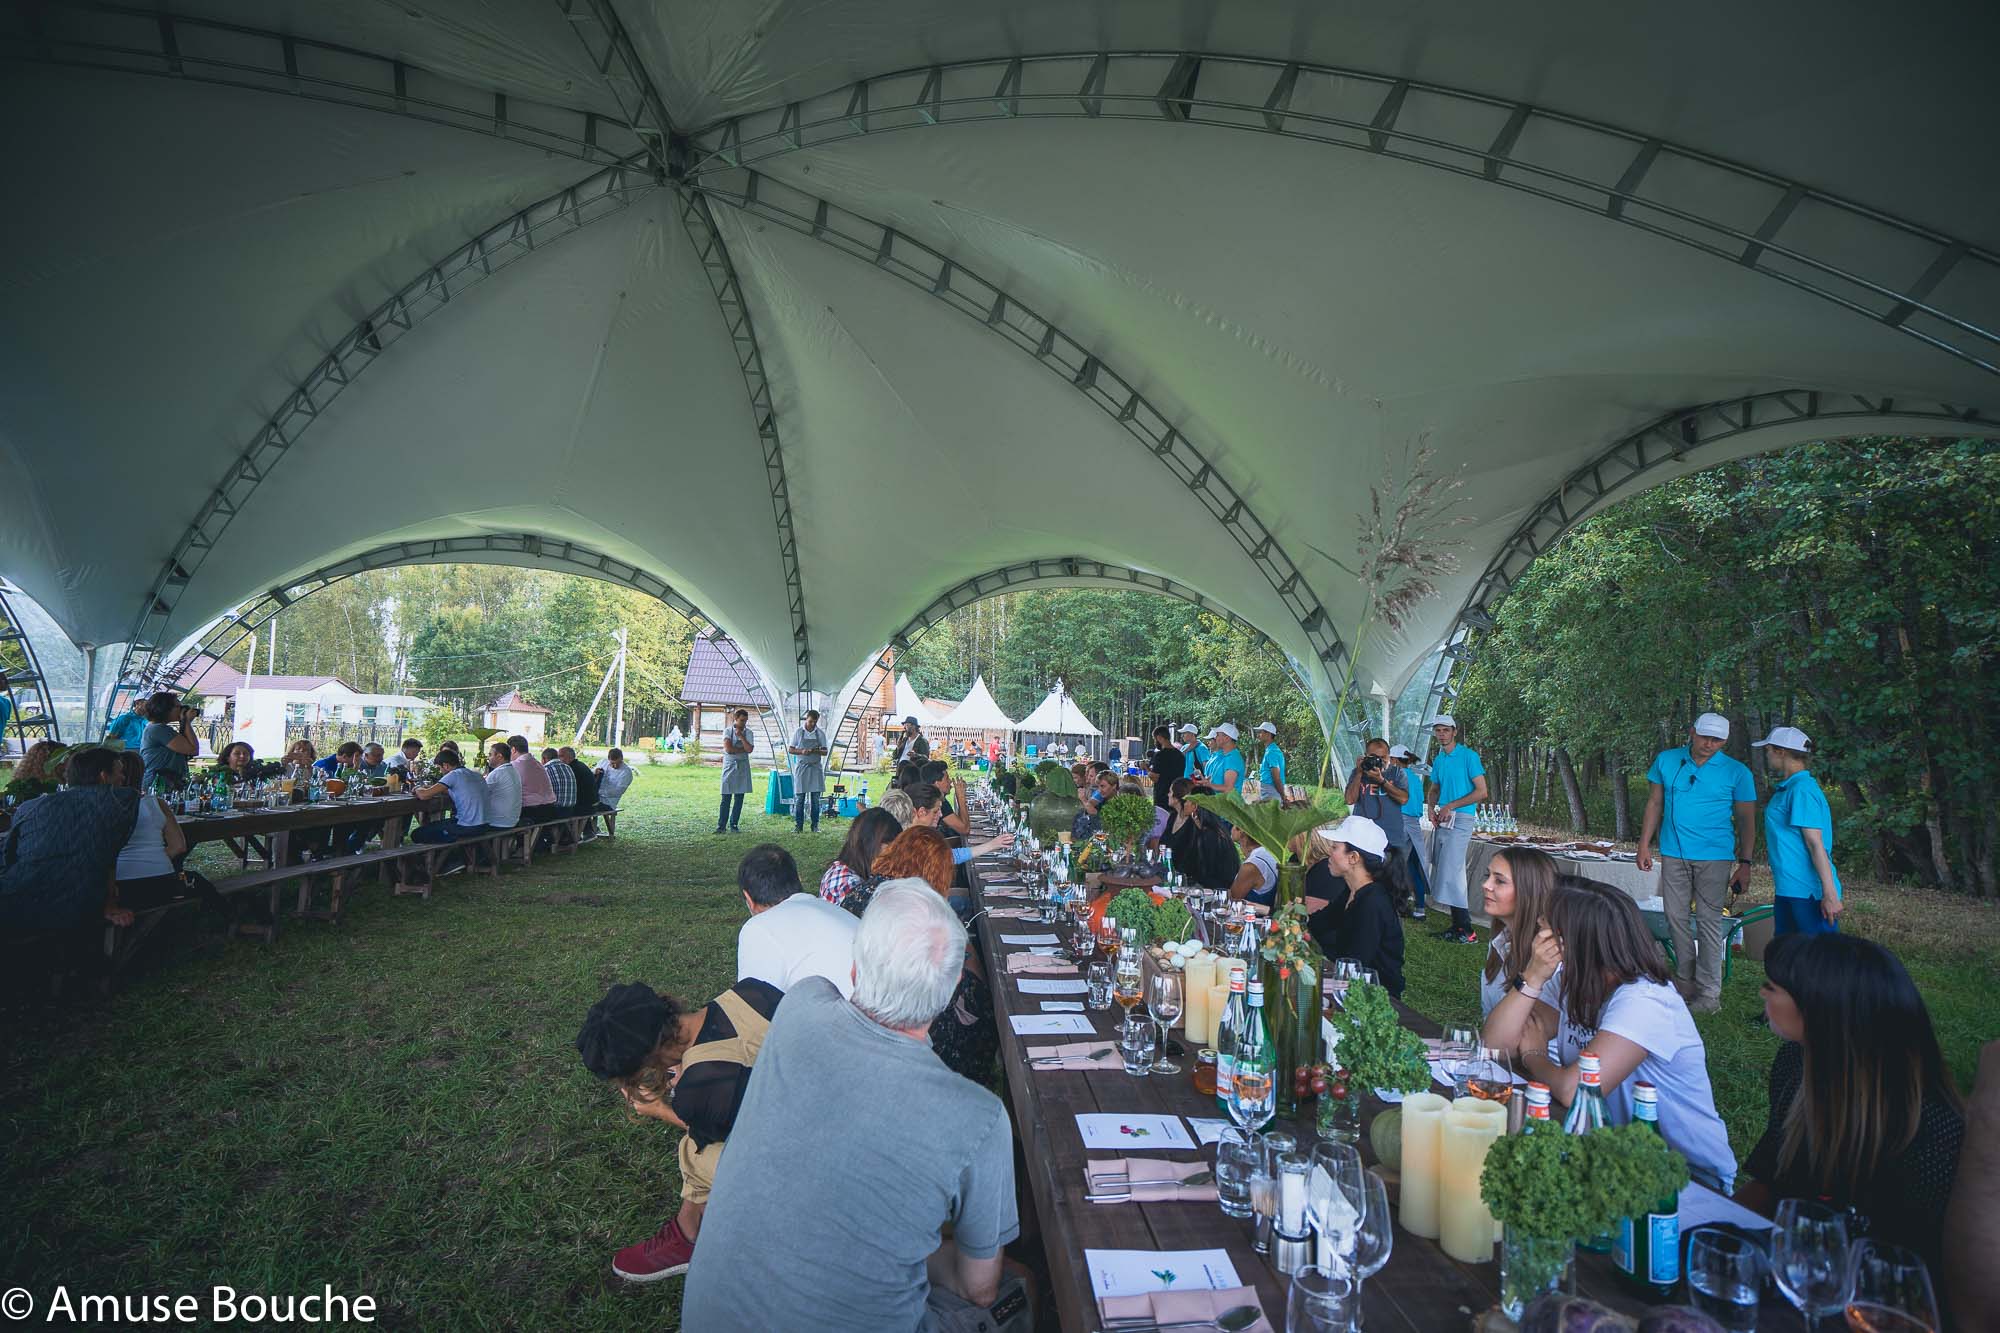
[1202, 851]
[1519, 884]
[1615, 998]
[1864, 1113]
[1367, 925]
[852, 867]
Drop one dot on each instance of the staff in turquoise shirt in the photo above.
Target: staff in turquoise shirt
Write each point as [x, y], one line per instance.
[1798, 837]
[1196, 752]
[1226, 769]
[1271, 768]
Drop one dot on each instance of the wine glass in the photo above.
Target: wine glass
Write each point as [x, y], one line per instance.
[1163, 1001]
[1486, 1074]
[1889, 1290]
[1252, 1094]
[1334, 1179]
[1320, 1301]
[1724, 1277]
[1809, 1257]
[1458, 1045]
[1375, 1232]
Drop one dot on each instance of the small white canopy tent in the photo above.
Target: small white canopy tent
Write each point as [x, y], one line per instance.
[978, 712]
[1058, 715]
[909, 705]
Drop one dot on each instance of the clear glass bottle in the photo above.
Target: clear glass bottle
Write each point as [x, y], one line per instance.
[1234, 1016]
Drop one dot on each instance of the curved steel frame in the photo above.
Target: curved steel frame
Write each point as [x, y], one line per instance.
[125, 40]
[1059, 571]
[965, 291]
[27, 683]
[1637, 178]
[224, 635]
[1666, 442]
[532, 228]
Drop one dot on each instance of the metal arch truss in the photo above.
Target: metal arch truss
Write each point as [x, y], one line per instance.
[714, 255]
[225, 635]
[1061, 571]
[23, 686]
[1916, 280]
[963, 290]
[1666, 442]
[596, 25]
[533, 228]
[126, 40]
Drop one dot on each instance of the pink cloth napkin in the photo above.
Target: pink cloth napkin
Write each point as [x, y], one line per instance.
[1038, 962]
[1013, 913]
[1167, 1306]
[1115, 1175]
[1073, 1053]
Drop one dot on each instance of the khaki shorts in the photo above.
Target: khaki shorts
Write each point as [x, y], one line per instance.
[698, 1169]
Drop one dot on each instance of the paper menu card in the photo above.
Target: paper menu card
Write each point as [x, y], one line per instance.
[1125, 1133]
[1062, 1006]
[1135, 1272]
[1206, 1129]
[1046, 986]
[1701, 1205]
[1053, 1025]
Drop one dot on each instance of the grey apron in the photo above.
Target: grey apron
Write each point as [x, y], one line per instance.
[735, 767]
[808, 770]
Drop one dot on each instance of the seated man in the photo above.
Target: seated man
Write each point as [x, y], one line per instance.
[60, 855]
[823, 1146]
[690, 1069]
[791, 934]
[503, 787]
[586, 785]
[562, 782]
[406, 755]
[468, 802]
[614, 775]
[347, 756]
[538, 799]
[372, 764]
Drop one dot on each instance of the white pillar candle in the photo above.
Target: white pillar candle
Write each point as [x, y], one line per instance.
[1423, 1125]
[1194, 1011]
[1465, 1223]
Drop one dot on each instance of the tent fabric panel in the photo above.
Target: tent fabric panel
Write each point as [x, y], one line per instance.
[977, 711]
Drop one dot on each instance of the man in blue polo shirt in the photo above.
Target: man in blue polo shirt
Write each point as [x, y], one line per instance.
[1196, 752]
[1271, 767]
[1798, 837]
[1702, 805]
[1457, 782]
[1226, 769]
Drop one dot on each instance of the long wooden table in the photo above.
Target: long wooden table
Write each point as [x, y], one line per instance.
[1421, 1289]
[275, 827]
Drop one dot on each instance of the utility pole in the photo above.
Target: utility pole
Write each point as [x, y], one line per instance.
[618, 721]
[271, 649]
[617, 668]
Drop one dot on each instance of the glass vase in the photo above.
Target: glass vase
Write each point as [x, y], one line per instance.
[1531, 1265]
[1340, 1117]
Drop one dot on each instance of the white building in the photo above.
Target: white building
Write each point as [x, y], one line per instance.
[515, 716]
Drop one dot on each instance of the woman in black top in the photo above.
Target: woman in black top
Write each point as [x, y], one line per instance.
[1166, 764]
[1202, 851]
[1367, 926]
[1864, 1114]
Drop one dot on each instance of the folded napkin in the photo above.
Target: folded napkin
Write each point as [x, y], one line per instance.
[1038, 962]
[1115, 1175]
[1167, 1306]
[1074, 1055]
[1014, 914]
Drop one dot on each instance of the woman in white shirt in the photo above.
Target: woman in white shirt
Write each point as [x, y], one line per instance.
[1519, 884]
[147, 871]
[1615, 998]
[1256, 879]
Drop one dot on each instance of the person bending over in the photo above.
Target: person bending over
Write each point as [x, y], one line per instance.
[851, 869]
[689, 1068]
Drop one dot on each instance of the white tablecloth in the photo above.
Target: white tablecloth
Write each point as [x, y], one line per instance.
[1626, 875]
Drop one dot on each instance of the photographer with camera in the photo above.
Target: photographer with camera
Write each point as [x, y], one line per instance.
[1378, 790]
[168, 741]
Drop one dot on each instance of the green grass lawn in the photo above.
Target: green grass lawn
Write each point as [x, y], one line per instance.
[393, 1105]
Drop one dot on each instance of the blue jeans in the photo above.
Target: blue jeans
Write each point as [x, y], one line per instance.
[1420, 887]
[731, 814]
[1799, 916]
[804, 803]
[445, 830]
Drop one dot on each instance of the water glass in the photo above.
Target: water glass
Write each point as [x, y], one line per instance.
[1321, 1301]
[1135, 1043]
[1888, 1287]
[1724, 1277]
[1252, 1095]
[1238, 1159]
[1334, 1181]
[1809, 1257]
[1098, 976]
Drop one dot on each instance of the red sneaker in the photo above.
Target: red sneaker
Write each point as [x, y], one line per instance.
[667, 1254]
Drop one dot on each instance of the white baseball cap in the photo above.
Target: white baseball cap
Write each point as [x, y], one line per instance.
[1787, 738]
[1271, 727]
[1362, 834]
[1226, 729]
[1715, 726]
[1188, 729]
[1443, 720]
[1401, 752]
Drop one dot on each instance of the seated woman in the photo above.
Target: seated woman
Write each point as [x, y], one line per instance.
[1616, 999]
[148, 870]
[964, 1036]
[239, 761]
[1202, 851]
[952, 818]
[1256, 879]
[1364, 922]
[1864, 1114]
[908, 774]
[1518, 886]
[301, 757]
[689, 1068]
[866, 837]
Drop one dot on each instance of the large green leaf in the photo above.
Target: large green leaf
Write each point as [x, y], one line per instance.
[1270, 824]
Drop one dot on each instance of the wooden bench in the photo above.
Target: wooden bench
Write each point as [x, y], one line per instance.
[517, 843]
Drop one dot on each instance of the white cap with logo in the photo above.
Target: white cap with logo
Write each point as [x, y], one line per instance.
[1362, 834]
[1713, 725]
[1786, 738]
[1401, 752]
[1188, 729]
[1226, 729]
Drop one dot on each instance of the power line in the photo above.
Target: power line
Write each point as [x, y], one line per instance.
[505, 684]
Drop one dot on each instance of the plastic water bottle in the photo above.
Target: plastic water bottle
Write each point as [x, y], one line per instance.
[864, 793]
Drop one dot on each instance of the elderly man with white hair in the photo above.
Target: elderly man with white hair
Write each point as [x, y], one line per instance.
[852, 1130]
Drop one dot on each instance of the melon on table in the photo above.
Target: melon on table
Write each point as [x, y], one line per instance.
[1385, 1135]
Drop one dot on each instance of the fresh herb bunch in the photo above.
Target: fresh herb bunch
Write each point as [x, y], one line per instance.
[1171, 921]
[1570, 1186]
[1375, 1048]
[1127, 819]
[1134, 908]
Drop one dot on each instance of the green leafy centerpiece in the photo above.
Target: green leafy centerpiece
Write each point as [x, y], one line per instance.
[1126, 820]
[1055, 806]
[1133, 909]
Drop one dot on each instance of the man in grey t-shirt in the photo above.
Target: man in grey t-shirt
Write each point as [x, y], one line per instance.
[854, 1145]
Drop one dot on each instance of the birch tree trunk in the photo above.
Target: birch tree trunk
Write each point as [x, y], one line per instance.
[1571, 789]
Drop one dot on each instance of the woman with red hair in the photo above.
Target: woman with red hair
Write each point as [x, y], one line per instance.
[964, 1035]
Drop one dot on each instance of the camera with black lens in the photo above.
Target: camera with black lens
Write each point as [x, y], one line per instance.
[1372, 763]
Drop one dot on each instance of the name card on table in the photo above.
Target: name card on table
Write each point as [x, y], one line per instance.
[1701, 1205]
[1051, 1025]
[1029, 939]
[1044, 986]
[1141, 1130]
[1206, 1129]
[1136, 1272]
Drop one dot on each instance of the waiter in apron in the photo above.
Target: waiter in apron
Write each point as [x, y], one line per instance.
[808, 749]
[735, 771]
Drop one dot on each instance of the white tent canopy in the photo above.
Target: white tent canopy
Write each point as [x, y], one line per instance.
[909, 705]
[1131, 294]
[1057, 715]
[977, 712]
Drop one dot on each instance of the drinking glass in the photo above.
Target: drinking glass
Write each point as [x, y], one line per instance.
[1889, 1290]
[1375, 1233]
[1098, 975]
[1163, 1001]
[1253, 1095]
[1320, 1301]
[1135, 1044]
[1335, 1178]
[1238, 1158]
[1458, 1045]
[1809, 1258]
[1487, 1074]
[1724, 1277]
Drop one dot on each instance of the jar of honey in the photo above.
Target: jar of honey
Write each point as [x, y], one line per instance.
[1204, 1072]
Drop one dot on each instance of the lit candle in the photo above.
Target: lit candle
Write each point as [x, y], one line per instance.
[1423, 1125]
[1466, 1225]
